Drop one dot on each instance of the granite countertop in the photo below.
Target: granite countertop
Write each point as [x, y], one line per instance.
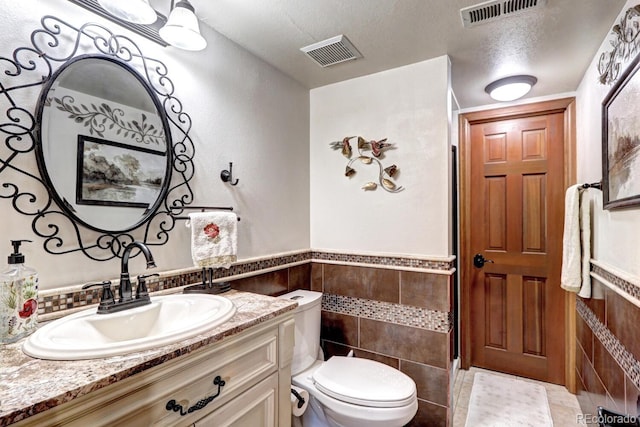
[29, 386]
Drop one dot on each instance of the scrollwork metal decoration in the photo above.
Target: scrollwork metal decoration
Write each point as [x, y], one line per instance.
[27, 70]
[625, 44]
[377, 151]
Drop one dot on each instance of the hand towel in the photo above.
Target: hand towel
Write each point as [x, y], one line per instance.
[214, 238]
[576, 242]
[585, 241]
[570, 278]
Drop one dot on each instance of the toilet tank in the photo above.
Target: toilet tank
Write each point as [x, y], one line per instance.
[307, 329]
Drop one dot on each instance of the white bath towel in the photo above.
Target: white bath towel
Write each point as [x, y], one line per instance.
[576, 243]
[585, 241]
[214, 238]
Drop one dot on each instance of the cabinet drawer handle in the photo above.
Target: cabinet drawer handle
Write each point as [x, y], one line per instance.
[174, 406]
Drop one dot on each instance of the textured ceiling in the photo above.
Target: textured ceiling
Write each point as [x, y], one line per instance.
[555, 43]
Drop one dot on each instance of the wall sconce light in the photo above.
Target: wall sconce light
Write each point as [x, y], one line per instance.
[181, 30]
[135, 11]
[510, 88]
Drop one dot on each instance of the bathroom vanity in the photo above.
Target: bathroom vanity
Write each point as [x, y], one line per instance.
[237, 374]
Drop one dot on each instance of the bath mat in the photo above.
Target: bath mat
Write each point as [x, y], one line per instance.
[498, 401]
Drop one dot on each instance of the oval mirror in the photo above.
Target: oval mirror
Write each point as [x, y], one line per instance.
[104, 144]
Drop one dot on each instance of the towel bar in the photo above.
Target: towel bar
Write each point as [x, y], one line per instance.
[202, 209]
[597, 185]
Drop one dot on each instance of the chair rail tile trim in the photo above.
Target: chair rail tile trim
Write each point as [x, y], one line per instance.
[390, 261]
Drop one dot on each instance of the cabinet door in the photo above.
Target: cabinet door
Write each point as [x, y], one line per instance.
[254, 408]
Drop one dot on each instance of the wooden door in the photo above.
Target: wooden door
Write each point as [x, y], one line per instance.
[516, 313]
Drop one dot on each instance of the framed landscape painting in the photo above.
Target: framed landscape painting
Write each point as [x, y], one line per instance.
[621, 141]
[115, 174]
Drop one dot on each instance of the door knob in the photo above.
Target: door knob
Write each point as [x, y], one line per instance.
[479, 261]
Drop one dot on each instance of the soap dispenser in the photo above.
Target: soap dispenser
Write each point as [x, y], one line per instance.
[18, 298]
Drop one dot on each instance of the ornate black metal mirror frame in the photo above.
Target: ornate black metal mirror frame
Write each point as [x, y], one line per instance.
[31, 68]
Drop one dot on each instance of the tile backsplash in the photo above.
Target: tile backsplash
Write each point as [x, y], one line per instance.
[608, 351]
[393, 309]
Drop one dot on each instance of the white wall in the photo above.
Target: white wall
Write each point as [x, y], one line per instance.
[616, 233]
[409, 106]
[243, 111]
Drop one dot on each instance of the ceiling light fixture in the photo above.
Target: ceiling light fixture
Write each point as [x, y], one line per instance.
[510, 88]
[135, 11]
[182, 29]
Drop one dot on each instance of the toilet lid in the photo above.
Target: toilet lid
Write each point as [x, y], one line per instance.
[364, 382]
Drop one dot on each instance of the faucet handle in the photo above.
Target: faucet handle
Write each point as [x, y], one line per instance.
[141, 289]
[106, 300]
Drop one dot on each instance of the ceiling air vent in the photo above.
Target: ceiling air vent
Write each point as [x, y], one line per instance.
[332, 51]
[494, 9]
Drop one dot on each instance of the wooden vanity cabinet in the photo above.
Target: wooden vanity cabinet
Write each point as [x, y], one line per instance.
[255, 366]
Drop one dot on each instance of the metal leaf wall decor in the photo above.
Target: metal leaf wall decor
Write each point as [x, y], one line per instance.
[369, 153]
[624, 46]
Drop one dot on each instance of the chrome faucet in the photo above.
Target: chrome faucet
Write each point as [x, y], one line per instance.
[124, 290]
[108, 304]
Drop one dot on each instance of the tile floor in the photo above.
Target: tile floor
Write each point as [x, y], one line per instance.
[564, 405]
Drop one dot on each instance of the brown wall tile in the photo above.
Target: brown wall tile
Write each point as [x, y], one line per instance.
[586, 405]
[300, 277]
[340, 328]
[580, 359]
[622, 320]
[405, 342]
[594, 389]
[273, 283]
[432, 383]
[362, 282]
[335, 349]
[597, 304]
[632, 396]
[584, 335]
[610, 374]
[428, 290]
[316, 276]
[429, 415]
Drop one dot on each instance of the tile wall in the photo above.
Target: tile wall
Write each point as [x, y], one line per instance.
[395, 310]
[398, 317]
[608, 349]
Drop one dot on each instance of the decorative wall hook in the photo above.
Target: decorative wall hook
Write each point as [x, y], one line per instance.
[227, 175]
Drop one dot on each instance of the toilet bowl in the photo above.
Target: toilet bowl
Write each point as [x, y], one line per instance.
[345, 391]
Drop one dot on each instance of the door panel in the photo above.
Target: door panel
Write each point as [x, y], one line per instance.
[516, 196]
[495, 310]
[496, 212]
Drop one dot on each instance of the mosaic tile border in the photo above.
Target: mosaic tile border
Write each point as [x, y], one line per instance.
[406, 315]
[623, 285]
[74, 297]
[616, 349]
[394, 261]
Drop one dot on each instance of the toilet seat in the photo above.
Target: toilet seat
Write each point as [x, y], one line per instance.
[364, 382]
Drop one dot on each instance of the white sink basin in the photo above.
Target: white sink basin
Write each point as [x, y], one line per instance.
[168, 319]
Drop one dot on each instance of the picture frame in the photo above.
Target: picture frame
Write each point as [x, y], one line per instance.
[115, 174]
[621, 141]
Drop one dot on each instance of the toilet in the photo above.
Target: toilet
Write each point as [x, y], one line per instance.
[345, 391]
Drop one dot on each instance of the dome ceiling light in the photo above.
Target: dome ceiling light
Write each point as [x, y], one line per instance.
[510, 88]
